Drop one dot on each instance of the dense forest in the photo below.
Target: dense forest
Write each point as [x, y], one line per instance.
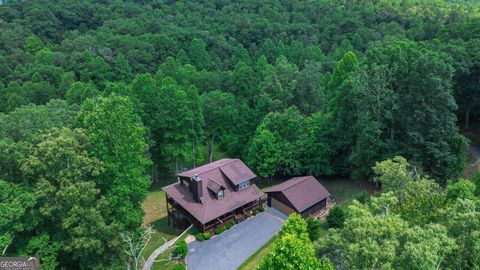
[99, 98]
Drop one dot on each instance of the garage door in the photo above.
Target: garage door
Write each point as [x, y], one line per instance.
[282, 207]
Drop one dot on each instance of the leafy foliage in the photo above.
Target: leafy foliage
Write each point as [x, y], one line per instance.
[293, 249]
[336, 217]
[181, 249]
[420, 225]
[291, 93]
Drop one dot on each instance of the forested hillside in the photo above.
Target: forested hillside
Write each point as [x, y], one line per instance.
[99, 97]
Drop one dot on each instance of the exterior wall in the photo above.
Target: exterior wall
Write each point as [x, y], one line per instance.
[280, 197]
[280, 206]
[278, 201]
[315, 208]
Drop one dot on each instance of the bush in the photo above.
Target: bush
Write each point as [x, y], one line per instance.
[255, 212]
[219, 230]
[362, 196]
[261, 209]
[181, 249]
[179, 267]
[229, 225]
[207, 235]
[336, 217]
[249, 214]
[200, 237]
[313, 227]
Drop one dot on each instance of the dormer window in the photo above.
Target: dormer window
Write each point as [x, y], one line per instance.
[244, 185]
[220, 194]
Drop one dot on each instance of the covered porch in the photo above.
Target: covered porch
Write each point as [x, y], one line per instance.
[180, 218]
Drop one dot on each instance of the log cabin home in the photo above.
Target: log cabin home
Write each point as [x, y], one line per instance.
[213, 194]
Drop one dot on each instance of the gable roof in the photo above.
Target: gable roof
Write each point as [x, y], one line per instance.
[302, 192]
[237, 172]
[213, 178]
[214, 186]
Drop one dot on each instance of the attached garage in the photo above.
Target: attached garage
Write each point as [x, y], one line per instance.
[304, 195]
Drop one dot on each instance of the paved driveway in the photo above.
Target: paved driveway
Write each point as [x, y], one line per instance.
[230, 249]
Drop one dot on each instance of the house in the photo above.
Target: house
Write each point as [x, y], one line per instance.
[212, 194]
[304, 195]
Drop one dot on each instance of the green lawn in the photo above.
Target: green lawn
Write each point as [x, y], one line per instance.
[156, 215]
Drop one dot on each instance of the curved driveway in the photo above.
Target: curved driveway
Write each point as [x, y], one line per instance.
[230, 249]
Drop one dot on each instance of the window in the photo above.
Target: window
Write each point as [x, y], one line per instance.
[244, 185]
[220, 194]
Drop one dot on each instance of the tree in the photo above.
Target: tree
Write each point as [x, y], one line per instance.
[336, 217]
[421, 80]
[314, 227]
[289, 129]
[292, 253]
[293, 249]
[177, 131]
[339, 105]
[295, 225]
[26, 122]
[278, 87]
[78, 92]
[69, 209]
[16, 203]
[355, 246]
[425, 248]
[220, 114]
[33, 44]
[463, 189]
[118, 139]
[198, 54]
[122, 68]
[134, 245]
[263, 154]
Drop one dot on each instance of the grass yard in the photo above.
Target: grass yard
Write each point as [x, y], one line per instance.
[164, 262]
[156, 215]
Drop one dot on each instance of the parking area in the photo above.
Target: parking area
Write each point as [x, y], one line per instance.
[230, 249]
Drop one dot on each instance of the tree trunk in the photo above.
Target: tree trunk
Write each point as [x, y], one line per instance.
[467, 118]
[210, 149]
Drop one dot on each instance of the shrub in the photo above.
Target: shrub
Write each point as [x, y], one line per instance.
[261, 209]
[249, 214]
[181, 249]
[362, 196]
[313, 227]
[219, 230]
[200, 237]
[207, 235]
[179, 267]
[229, 225]
[255, 212]
[336, 217]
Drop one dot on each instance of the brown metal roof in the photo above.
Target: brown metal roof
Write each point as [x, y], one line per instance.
[214, 186]
[237, 172]
[302, 192]
[212, 179]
